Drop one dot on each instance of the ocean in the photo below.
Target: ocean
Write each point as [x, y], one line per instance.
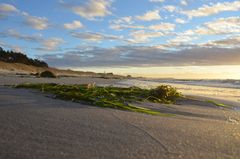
[227, 91]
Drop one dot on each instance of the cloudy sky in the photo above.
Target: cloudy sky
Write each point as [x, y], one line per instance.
[155, 38]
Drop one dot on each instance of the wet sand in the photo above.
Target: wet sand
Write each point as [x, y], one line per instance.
[33, 125]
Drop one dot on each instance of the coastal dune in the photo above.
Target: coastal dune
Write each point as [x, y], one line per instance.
[23, 69]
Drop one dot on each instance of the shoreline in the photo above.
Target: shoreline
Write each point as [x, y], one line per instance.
[223, 95]
[228, 95]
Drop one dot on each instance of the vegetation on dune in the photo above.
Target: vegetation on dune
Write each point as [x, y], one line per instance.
[18, 57]
[47, 74]
[110, 97]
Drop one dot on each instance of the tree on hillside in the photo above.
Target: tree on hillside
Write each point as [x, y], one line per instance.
[18, 57]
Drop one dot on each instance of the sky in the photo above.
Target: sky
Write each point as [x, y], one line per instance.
[152, 38]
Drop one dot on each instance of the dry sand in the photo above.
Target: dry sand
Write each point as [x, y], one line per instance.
[19, 79]
[18, 68]
[35, 126]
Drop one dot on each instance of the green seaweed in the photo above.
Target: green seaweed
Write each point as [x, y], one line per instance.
[110, 97]
[218, 104]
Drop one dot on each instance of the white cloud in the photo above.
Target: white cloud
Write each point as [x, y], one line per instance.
[150, 16]
[95, 37]
[170, 8]
[229, 42]
[125, 26]
[184, 2]
[141, 56]
[14, 34]
[124, 23]
[51, 44]
[74, 25]
[180, 39]
[156, 27]
[223, 26]
[180, 21]
[129, 23]
[123, 20]
[162, 27]
[38, 23]
[141, 36]
[207, 10]
[220, 26]
[6, 9]
[156, 0]
[93, 9]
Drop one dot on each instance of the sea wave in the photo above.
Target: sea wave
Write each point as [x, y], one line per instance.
[228, 83]
[227, 90]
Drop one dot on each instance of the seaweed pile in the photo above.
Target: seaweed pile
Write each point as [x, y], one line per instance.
[110, 97]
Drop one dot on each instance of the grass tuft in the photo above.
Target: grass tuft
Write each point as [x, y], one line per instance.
[47, 74]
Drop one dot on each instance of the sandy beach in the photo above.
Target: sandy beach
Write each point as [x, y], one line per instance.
[19, 79]
[230, 96]
[115, 79]
[36, 126]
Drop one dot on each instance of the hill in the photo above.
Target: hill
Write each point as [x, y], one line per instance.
[18, 57]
